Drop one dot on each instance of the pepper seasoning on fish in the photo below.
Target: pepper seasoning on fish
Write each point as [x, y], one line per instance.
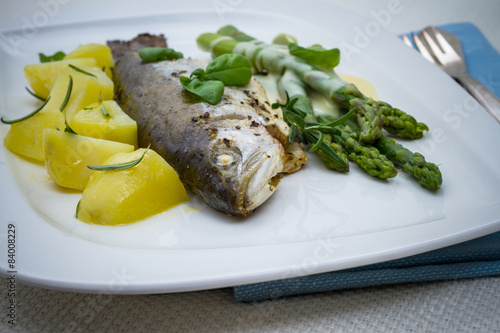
[225, 153]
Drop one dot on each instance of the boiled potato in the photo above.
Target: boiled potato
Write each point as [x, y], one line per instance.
[133, 194]
[26, 137]
[117, 126]
[106, 85]
[101, 53]
[67, 156]
[43, 76]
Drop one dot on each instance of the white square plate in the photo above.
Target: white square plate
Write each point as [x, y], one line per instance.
[317, 221]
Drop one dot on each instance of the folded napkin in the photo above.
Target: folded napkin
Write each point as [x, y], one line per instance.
[474, 258]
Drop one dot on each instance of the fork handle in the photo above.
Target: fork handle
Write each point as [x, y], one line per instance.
[482, 94]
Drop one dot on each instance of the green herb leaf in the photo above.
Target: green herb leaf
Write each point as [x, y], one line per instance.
[77, 212]
[231, 69]
[68, 129]
[316, 55]
[68, 94]
[81, 70]
[104, 111]
[318, 143]
[155, 54]
[35, 95]
[199, 73]
[121, 166]
[335, 122]
[293, 133]
[211, 91]
[8, 122]
[55, 57]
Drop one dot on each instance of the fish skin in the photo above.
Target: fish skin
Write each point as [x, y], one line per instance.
[224, 153]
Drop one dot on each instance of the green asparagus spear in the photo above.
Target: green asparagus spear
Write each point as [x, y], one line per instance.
[367, 157]
[274, 58]
[400, 123]
[371, 115]
[426, 173]
[346, 140]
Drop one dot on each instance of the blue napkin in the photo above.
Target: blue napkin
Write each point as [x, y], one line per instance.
[474, 258]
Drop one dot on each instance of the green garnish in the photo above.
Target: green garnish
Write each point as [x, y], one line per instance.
[8, 122]
[35, 95]
[210, 91]
[295, 112]
[55, 57]
[68, 129]
[121, 166]
[226, 70]
[68, 94]
[155, 54]
[77, 212]
[104, 111]
[316, 55]
[81, 70]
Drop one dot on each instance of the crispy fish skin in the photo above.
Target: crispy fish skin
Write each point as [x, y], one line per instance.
[222, 152]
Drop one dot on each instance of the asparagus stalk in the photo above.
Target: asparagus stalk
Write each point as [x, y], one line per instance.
[274, 58]
[329, 152]
[427, 174]
[371, 115]
[343, 138]
[351, 138]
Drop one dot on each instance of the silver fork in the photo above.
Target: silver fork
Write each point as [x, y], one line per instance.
[444, 49]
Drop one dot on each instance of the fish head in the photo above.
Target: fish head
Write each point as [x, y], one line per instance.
[249, 160]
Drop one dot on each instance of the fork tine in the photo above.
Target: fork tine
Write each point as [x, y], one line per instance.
[422, 48]
[407, 40]
[443, 43]
[434, 46]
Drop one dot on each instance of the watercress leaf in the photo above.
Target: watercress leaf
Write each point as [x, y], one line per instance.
[211, 91]
[303, 105]
[231, 69]
[55, 57]
[198, 72]
[316, 55]
[155, 54]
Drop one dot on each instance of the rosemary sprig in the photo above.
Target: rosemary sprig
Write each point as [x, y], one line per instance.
[297, 112]
[121, 166]
[77, 212]
[35, 95]
[68, 129]
[104, 111]
[78, 69]
[8, 122]
[68, 94]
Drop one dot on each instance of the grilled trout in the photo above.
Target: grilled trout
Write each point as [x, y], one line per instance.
[230, 154]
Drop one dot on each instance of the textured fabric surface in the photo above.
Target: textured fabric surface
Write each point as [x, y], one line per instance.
[466, 305]
[480, 257]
